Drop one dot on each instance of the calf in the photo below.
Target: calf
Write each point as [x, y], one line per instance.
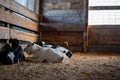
[12, 54]
[60, 48]
[17, 50]
[44, 54]
[5, 56]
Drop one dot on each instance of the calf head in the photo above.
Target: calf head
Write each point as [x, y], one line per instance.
[42, 43]
[31, 48]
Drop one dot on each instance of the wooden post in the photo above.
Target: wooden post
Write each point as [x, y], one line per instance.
[37, 6]
[85, 34]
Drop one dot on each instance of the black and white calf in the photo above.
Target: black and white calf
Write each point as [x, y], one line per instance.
[60, 48]
[17, 50]
[44, 54]
[12, 53]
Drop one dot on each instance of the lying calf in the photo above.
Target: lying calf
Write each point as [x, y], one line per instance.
[44, 54]
[12, 53]
[60, 48]
[17, 50]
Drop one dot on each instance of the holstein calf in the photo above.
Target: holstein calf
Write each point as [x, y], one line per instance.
[44, 54]
[60, 48]
[12, 53]
[17, 50]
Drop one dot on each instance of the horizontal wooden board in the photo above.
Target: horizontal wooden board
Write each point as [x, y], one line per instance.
[56, 1]
[20, 35]
[63, 5]
[65, 16]
[6, 33]
[65, 20]
[12, 5]
[72, 39]
[103, 26]
[63, 33]
[8, 17]
[104, 8]
[61, 27]
[105, 48]
[104, 35]
[64, 13]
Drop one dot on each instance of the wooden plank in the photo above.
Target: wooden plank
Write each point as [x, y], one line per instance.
[104, 8]
[72, 39]
[18, 21]
[12, 5]
[61, 27]
[4, 33]
[23, 35]
[56, 13]
[37, 6]
[104, 48]
[65, 16]
[104, 26]
[57, 1]
[104, 35]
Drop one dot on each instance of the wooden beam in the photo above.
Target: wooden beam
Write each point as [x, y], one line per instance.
[11, 18]
[37, 6]
[73, 38]
[61, 27]
[14, 6]
[23, 35]
[6, 33]
[104, 26]
[103, 35]
[104, 8]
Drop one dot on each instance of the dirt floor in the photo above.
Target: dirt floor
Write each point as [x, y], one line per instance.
[82, 66]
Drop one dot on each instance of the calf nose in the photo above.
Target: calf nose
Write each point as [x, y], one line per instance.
[69, 54]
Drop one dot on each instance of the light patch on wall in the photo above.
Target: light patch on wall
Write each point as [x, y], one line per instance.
[22, 2]
[104, 2]
[104, 17]
[30, 4]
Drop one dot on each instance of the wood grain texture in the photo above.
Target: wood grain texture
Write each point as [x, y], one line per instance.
[23, 35]
[104, 35]
[19, 21]
[6, 33]
[61, 27]
[12, 5]
[73, 38]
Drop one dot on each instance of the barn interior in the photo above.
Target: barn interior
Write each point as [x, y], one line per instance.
[89, 28]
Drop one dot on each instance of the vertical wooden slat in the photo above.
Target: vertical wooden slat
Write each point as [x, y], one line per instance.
[37, 5]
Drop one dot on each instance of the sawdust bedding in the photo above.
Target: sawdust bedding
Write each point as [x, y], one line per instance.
[81, 66]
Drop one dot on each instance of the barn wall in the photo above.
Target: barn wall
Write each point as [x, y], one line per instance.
[16, 21]
[104, 38]
[64, 21]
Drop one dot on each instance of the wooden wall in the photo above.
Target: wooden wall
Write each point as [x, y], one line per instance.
[104, 38]
[64, 21]
[18, 22]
